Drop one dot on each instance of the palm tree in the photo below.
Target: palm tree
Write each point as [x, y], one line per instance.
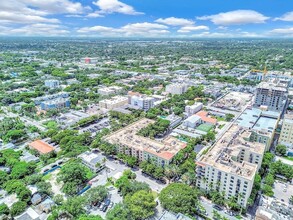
[168, 172]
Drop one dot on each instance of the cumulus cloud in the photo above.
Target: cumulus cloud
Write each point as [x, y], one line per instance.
[172, 21]
[207, 34]
[11, 17]
[282, 31]
[237, 17]
[56, 6]
[38, 29]
[144, 29]
[112, 6]
[36, 11]
[286, 17]
[188, 29]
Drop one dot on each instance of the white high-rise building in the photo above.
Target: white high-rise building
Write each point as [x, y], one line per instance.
[176, 88]
[230, 165]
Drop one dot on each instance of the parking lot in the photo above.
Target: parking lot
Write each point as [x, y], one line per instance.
[114, 167]
[113, 197]
[94, 128]
[283, 191]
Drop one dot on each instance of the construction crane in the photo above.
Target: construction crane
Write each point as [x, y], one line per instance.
[264, 71]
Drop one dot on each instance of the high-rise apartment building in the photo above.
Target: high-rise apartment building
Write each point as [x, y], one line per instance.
[231, 165]
[273, 94]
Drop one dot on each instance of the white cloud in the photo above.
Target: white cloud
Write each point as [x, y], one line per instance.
[38, 29]
[237, 17]
[281, 31]
[144, 29]
[113, 6]
[207, 34]
[97, 29]
[188, 29]
[36, 11]
[10, 17]
[172, 21]
[56, 6]
[286, 17]
[222, 28]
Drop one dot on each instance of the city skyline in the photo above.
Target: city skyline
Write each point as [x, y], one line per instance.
[130, 18]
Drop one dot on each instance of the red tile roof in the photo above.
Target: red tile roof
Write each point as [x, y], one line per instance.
[41, 146]
[204, 117]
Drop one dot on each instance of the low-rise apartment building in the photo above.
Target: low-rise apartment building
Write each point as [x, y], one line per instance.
[176, 88]
[55, 104]
[230, 165]
[192, 109]
[52, 83]
[93, 161]
[114, 102]
[109, 90]
[128, 142]
[140, 101]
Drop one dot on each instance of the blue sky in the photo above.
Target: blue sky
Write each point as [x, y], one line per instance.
[147, 18]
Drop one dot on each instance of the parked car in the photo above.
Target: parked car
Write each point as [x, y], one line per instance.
[107, 202]
[217, 207]
[104, 208]
[111, 205]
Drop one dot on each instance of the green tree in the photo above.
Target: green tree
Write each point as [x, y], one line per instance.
[74, 206]
[269, 180]
[3, 177]
[17, 208]
[90, 217]
[267, 190]
[141, 204]
[178, 197]
[73, 174]
[96, 194]
[119, 212]
[4, 210]
[281, 150]
[58, 199]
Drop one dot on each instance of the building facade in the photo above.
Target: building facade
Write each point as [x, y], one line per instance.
[109, 90]
[192, 109]
[286, 136]
[52, 83]
[58, 103]
[142, 102]
[130, 143]
[272, 94]
[231, 165]
[176, 88]
[114, 102]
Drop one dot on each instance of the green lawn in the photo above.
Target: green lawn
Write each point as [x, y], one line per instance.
[288, 158]
[47, 177]
[205, 127]
[155, 194]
